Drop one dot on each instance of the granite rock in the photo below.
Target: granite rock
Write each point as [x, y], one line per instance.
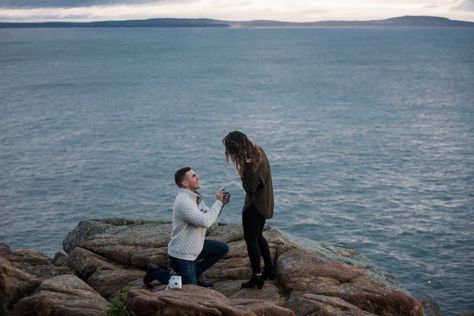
[194, 300]
[104, 276]
[109, 257]
[62, 295]
[312, 276]
[14, 284]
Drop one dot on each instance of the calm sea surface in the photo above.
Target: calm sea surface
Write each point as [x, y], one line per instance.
[369, 132]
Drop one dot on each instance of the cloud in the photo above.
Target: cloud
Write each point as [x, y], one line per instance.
[66, 3]
[284, 10]
[467, 5]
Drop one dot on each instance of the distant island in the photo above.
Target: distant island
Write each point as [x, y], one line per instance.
[404, 21]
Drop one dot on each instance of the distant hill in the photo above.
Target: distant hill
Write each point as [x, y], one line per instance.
[165, 22]
[404, 21]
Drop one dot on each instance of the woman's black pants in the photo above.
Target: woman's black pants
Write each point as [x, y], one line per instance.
[257, 246]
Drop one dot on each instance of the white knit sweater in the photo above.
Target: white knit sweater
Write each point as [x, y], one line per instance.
[190, 222]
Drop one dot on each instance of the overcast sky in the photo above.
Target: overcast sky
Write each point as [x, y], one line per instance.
[284, 10]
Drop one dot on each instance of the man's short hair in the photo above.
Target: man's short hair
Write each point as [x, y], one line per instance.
[180, 174]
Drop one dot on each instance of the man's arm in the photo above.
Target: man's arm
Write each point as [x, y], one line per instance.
[188, 211]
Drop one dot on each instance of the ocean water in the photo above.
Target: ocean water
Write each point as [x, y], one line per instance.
[369, 132]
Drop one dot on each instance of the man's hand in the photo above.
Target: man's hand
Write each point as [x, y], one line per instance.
[223, 196]
[226, 198]
[220, 195]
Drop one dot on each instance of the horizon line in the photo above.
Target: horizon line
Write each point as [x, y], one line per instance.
[236, 21]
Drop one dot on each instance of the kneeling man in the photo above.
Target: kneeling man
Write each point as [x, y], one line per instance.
[189, 252]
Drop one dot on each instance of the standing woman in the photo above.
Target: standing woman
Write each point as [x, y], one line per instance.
[254, 169]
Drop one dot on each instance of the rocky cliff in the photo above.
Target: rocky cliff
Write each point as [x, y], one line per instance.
[108, 256]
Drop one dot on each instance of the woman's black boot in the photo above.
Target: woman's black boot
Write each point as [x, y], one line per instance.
[255, 281]
[269, 274]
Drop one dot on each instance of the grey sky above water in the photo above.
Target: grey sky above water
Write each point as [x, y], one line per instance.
[284, 10]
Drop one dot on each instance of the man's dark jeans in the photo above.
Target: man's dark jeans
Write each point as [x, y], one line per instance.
[190, 271]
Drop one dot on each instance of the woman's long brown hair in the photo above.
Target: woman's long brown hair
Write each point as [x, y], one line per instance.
[241, 151]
